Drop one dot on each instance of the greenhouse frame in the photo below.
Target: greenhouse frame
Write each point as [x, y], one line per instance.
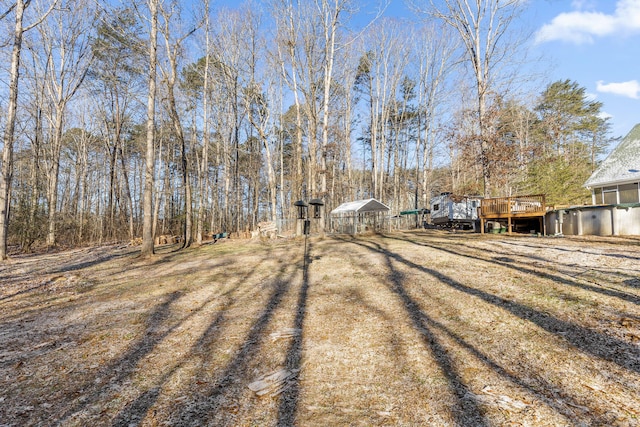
[360, 216]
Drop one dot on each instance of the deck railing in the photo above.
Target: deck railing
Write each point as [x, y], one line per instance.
[511, 206]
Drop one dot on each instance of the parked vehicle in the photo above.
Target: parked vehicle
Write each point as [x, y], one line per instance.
[453, 211]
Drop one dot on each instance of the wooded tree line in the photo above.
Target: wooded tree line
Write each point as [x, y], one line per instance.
[150, 118]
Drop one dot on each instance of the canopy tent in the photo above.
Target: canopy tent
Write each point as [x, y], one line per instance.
[422, 211]
[360, 216]
[410, 219]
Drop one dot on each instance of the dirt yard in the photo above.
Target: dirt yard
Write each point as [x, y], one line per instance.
[408, 329]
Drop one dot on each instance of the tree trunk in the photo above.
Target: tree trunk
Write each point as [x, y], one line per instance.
[84, 172]
[54, 168]
[9, 130]
[330, 20]
[156, 204]
[127, 192]
[203, 177]
[147, 226]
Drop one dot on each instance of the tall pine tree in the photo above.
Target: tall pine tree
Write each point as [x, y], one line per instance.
[570, 132]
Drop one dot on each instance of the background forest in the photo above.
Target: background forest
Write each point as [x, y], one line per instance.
[143, 118]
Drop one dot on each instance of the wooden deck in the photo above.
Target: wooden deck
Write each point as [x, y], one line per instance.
[513, 208]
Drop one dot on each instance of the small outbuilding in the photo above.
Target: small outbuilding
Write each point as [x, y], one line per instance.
[360, 216]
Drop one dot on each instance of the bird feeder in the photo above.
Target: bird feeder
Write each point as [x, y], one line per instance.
[317, 207]
[302, 209]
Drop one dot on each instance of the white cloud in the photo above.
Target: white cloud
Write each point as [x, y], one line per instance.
[604, 115]
[630, 89]
[582, 4]
[582, 26]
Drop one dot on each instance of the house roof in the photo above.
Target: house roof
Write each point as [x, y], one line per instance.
[622, 165]
[360, 206]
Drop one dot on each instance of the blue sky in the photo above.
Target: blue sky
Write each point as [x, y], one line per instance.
[597, 44]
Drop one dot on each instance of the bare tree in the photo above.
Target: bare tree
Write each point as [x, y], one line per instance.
[380, 74]
[10, 125]
[173, 48]
[65, 56]
[435, 50]
[483, 27]
[288, 60]
[117, 82]
[303, 37]
[259, 96]
[147, 227]
[35, 90]
[347, 99]
[228, 59]
[83, 140]
[203, 177]
[331, 17]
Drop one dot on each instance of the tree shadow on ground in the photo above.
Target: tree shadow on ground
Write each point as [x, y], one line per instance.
[425, 324]
[460, 251]
[138, 409]
[134, 412]
[633, 283]
[59, 267]
[289, 399]
[122, 368]
[466, 410]
[607, 253]
[595, 343]
[539, 387]
[209, 407]
[100, 387]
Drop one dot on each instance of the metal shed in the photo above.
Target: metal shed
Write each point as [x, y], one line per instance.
[360, 216]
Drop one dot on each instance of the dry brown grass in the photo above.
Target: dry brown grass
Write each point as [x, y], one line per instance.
[415, 328]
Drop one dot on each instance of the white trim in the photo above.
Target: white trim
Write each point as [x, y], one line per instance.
[616, 190]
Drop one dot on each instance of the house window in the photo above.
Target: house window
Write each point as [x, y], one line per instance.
[610, 195]
[597, 196]
[629, 193]
[436, 207]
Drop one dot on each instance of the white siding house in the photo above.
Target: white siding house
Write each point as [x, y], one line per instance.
[615, 193]
[616, 180]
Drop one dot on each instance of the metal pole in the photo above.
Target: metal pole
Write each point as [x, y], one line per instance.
[304, 262]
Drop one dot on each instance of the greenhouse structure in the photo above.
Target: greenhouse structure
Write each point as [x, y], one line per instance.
[360, 216]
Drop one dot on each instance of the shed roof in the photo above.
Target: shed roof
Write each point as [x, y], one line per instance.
[622, 165]
[360, 206]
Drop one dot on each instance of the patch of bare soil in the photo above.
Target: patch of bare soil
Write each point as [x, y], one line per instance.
[413, 328]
